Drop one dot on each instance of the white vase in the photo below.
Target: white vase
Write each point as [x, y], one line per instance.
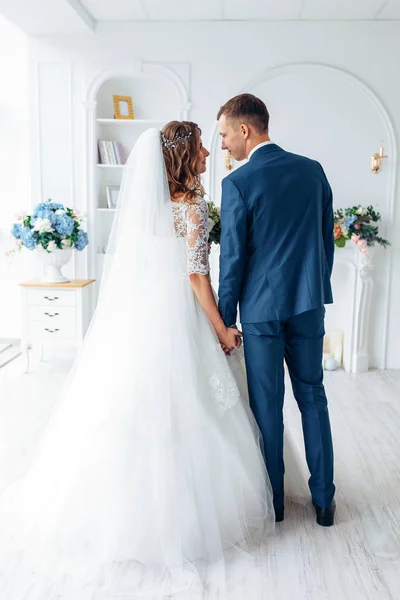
[52, 264]
[330, 364]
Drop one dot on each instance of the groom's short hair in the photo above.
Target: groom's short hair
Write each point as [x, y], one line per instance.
[246, 107]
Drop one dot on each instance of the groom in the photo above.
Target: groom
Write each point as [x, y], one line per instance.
[276, 262]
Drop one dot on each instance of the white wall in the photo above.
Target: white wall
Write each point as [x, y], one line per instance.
[14, 167]
[224, 59]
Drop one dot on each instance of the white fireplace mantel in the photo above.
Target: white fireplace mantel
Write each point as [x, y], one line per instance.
[357, 286]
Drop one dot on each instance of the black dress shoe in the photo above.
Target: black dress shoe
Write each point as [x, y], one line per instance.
[325, 515]
[279, 514]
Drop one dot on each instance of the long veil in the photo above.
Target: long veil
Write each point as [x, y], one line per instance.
[143, 231]
[149, 470]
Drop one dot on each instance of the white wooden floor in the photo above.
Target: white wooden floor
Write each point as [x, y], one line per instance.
[9, 350]
[358, 559]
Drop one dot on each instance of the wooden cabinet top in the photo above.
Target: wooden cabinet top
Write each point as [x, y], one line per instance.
[74, 283]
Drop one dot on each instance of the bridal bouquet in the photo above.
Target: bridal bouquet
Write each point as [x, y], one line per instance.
[357, 224]
[214, 223]
[50, 227]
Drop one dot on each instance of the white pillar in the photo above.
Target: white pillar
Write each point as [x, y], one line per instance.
[364, 283]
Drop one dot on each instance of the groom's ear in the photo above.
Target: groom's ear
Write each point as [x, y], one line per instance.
[244, 130]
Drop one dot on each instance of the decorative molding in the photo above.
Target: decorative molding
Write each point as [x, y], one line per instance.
[362, 317]
[381, 109]
[91, 105]
[103, 75]
[132, 71]
[39, 195]
[38, 137]
[164, 71]
[72, 153]
[90, 176]
[184, 110]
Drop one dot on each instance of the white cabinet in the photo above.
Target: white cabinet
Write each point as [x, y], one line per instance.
[56, 314]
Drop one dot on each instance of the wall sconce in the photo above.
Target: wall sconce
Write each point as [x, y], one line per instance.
[376, 160]
[229, 162]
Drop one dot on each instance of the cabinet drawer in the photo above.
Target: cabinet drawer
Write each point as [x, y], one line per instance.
[49, 297]
[50, 331]
[53, 316]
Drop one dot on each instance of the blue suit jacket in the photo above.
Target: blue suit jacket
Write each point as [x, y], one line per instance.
[276, 238]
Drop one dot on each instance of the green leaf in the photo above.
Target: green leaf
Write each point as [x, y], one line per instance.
[340, 242]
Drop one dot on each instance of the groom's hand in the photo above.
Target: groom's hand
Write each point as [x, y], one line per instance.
[231, 338]
[239, 335]
[238, 342]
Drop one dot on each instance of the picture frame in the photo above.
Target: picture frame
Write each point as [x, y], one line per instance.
[123, 107]
[112, 195]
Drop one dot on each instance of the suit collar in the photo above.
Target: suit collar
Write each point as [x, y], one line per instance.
[267, 143]
[265, 150]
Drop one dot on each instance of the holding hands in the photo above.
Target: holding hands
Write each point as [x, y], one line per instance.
[229, 337]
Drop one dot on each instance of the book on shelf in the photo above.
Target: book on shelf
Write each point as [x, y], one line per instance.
[111, 153]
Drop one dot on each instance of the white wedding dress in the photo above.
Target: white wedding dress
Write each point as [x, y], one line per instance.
[149, 482]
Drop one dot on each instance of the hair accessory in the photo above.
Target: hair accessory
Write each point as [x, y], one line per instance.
[172, 143]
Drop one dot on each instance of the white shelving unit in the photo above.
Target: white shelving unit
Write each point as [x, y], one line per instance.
[156, 100]
[126, 133]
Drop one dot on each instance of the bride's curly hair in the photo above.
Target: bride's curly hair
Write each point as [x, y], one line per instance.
[180, 144]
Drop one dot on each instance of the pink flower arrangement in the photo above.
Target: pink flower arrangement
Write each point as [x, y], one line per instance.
[358, 224]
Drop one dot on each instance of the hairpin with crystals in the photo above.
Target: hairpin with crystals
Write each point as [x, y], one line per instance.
[172, 143]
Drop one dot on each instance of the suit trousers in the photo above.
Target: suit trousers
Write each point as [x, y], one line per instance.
[299, 341]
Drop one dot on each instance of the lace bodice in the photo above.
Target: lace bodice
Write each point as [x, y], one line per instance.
[191, 222]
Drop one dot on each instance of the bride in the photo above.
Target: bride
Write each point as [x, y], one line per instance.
[149, 481]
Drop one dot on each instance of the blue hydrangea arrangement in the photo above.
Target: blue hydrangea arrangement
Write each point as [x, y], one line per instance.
[50, 227]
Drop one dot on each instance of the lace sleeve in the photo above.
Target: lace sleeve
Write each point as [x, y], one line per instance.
[197, 238]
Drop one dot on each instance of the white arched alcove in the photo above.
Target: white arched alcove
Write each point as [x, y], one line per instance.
[330, 115]
[140, 70]
[159, 95]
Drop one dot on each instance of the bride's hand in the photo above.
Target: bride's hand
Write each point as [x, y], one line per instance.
[230, 337]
